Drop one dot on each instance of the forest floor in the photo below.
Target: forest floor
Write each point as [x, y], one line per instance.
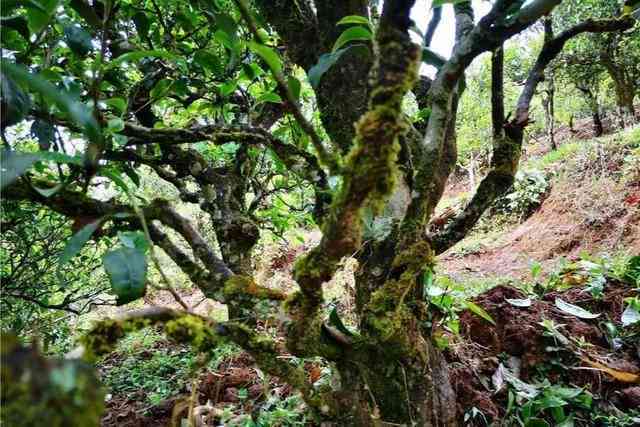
[516, 268]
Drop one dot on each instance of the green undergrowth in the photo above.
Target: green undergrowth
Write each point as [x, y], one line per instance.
[549, 397]
[448, 297]
[275, 411]
[145, 362]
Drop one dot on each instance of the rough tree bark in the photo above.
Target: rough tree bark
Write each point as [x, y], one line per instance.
[389, 369]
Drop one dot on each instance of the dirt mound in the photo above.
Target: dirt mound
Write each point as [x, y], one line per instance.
[564, 351]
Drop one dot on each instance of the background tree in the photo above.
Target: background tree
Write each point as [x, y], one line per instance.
[617, 52]
[200, 95]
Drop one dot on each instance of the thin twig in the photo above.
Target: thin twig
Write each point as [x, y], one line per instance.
[154, 257]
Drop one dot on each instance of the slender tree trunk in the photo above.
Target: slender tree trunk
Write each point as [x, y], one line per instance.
[572, 127]
[548, 100]
[592, 100]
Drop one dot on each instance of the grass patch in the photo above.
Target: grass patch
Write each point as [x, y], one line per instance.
[146, 362]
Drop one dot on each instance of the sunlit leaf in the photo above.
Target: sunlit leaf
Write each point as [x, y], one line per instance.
[352, 34]
[574, 310]
[268, 55]
[519, 302]
[119, 104]
[353, 19]
[115, 124]
[479, 311]
[630, 316]
[269, 97]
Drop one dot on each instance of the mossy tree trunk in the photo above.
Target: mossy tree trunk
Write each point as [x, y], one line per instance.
[389, 369]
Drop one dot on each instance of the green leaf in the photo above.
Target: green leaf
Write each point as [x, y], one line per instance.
[227, 24]
[78, 240]
[228, 87]
[119, 104]
[208, 60]
[519, 302]
[354, 19]
[249, 71]
[574, 310]
[18, 23]
[9, 5]
[127, 270]
[140, 54]
[632, 271]
[44, 132]
[269, 97]
[134, 240]
[142, 22]
[268, 55]
[225, 39]
[38, 18]
[15, 102]
[294, 87]
[78, 40]
[439, 3]
[630, 316]
[161, 89]
[334, 320]
[352, 34]
[325, 62]
[15, 163]
[479, 311]
[78, 112]
[115, 124]
[536, 422]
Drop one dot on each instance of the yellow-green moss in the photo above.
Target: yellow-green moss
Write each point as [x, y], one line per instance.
[104, 336]
[192, 330]
[244, 287]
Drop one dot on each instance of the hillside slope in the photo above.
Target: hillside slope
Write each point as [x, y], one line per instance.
[591, 205]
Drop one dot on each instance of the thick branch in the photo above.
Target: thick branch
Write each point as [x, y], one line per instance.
[369, 170]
